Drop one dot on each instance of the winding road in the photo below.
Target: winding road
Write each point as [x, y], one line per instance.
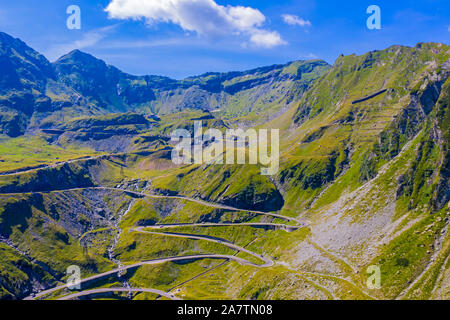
[48, 166]
[154, 196]
[107, 290]
[267, 262]
[209, 225]
[139, 264]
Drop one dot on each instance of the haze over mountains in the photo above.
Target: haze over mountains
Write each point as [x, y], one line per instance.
[86, 175]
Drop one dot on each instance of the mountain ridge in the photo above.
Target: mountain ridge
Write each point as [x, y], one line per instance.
[369, 179]
[78, 83]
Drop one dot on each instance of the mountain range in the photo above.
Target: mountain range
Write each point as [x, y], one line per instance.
[35, 92]
[86, 177]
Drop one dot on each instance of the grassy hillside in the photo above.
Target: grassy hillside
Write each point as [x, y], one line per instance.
[363, 181]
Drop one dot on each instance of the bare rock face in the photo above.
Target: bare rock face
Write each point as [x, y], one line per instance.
[251, 199]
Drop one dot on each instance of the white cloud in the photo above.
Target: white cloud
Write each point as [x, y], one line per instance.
[148, 43]
[205, 17]
[267, 39]
[308, 56]
[88, 39]
[295, 20]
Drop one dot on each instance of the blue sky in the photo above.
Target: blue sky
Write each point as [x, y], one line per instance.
[180, 38]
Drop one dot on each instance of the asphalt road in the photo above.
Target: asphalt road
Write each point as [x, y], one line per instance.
[50, 166]
[209, 225]
[266, 261]
[208, 204]
[106, 290]
[139, 264]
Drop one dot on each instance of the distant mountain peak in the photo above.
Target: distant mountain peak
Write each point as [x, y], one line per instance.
[78, 56]
[22, 68]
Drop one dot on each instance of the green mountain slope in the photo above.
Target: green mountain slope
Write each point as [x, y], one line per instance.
[24, 75]
[363, 183]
